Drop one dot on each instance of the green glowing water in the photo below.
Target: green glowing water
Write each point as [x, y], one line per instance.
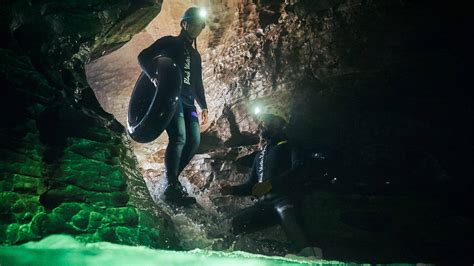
[65, 250]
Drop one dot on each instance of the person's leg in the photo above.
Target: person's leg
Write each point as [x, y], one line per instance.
[253, 218]
[176, 130]
[193, 136]
[177, 138]
[291, 225]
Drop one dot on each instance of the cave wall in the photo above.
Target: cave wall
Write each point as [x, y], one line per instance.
[65, 164]
[381, 88]
[371, 80]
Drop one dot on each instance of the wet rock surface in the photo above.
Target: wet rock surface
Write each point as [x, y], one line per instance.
[66, 166]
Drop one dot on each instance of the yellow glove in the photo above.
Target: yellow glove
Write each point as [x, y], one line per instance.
[262, 188]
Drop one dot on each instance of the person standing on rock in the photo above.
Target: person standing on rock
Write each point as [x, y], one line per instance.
[276, 169]
[184, 128]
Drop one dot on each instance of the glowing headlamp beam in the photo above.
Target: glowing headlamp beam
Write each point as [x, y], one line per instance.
[202, 13]
[257, 110]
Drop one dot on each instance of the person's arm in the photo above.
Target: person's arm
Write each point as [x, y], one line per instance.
[244, 189]
[200, 95]
[147, 57]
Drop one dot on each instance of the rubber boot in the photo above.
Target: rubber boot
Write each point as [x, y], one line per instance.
[291, 225]
[176, 194]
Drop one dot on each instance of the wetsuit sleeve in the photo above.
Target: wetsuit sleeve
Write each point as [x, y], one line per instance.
[246, 188]
[200, 96]
[148, 55]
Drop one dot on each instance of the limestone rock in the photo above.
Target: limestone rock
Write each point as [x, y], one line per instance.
[65, 164]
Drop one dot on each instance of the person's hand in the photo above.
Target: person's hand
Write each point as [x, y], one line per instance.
[154, 80]
[225, 189]
[261, 188]
[204, 116]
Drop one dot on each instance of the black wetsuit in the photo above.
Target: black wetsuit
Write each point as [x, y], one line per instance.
[183, 130]
[279, 163]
